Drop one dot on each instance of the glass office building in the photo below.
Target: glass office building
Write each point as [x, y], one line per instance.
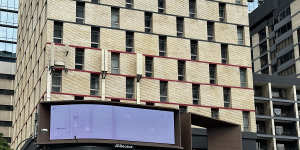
[8, 29]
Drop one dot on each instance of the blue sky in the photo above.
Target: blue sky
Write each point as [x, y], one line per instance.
[252, 5]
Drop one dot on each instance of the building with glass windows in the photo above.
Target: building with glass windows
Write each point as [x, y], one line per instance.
[277, 112]
[275, 34]
[8, 43]
[191, 55]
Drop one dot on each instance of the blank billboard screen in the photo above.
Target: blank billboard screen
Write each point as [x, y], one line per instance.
[88, 121]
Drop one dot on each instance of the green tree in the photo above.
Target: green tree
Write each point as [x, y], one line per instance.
[3, 143]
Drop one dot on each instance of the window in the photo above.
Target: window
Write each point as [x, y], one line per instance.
[149, 66]
[222, 12]
[240, 34]
[298, 95]
[162, 45]
[94, 85]
[79, 58]
[58, 32]
[148, 22]
[243, 77]
[262, 34]
[115, 100]
[115, 17]
[286, 57]
[5, 123]
[179, 22]
[56, 80]
[246, 121]
[215, 113]
[129, 3]
[192, 8]
[80, 12]
[289, 71]
[115, 63]
[227, 96]
[6, 107]
[149, 104]
[212, 74]
[238, 1]
[182, 109]
[78, 98]
[95, 33]
[163, 91]
[181, 70]
[287, 27]
[129, 87]
[161, 6]
[210, 31]
[129, 41]
[95, 1]
[224, 53]
[194, 49]
[196, 93]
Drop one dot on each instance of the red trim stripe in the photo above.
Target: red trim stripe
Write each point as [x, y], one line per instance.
[151, 101]
[72, 94]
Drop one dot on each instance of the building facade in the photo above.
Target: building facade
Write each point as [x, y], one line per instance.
[277, 112]
[275, 36]
[193, 55]
[8, 42]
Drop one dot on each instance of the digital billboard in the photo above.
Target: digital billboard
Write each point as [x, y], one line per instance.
[95, 121]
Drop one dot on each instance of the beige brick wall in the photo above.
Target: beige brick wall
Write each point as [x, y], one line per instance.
[76, 34]
[165, 68]
[97, 15]
[228, 75]
[237, 14]
[6, 84]
[6, 99]
[66, 9]
[115, 81]
[163, 24]
[76, 83]
[197, 72]
[179, 92]
[195, 29]
[209, 51]
[127, 64]
[208, 10]
[225, 29]
[146, 44]
[5, 115]
[178, 48]
[112, 39]
[150, 90]
[120, 3]
[178, 7]
[242, 98]
[132, 20]
[148, 5]
[239, 55]
[211, 96]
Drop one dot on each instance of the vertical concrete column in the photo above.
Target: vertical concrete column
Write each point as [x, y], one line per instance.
[296, 113]
[272, 115]
[104, 69]
[139, 73]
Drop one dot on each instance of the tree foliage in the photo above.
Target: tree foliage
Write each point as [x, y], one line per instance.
[3, 143]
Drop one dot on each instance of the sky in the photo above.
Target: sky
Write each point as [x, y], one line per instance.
[252, 6]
